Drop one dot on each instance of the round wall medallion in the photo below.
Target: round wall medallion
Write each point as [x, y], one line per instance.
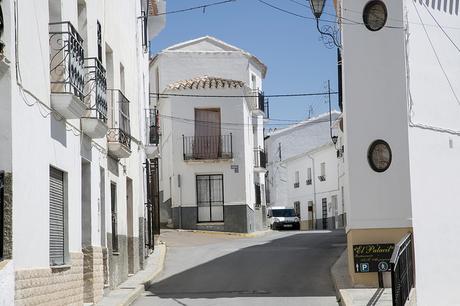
[379, 155]
[375, 15]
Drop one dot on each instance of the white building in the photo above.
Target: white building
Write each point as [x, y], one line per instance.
[72, 128]
[305, 172]
[402, 86]
[211, 149]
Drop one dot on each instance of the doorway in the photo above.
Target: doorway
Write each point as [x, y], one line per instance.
[129, 216]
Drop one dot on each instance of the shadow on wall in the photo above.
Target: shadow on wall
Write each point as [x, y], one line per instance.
[279, 268]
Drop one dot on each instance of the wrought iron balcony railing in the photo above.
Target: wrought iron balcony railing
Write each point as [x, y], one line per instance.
[66, 59]
[119, 122]
[207, 147]
[153, 126]
[96, 89]
[261, 103]
[260, 158]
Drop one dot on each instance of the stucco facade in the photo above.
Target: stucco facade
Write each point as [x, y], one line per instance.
[227, 74]
[297, 156]
[402, 86]
[40, 133]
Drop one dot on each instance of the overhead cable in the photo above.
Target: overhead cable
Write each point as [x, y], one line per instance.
[200, 7]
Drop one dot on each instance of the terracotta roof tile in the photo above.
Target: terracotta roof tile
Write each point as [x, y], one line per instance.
[206, 82]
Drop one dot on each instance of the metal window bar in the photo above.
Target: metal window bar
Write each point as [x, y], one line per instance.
[120, 130]
[207, 147]
[95, 89]
[67, 57]
[210, 193]
[402, 270]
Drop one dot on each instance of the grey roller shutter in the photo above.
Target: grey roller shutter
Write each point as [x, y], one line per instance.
[56, 217]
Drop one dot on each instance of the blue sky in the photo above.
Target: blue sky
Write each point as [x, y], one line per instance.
[297, 60]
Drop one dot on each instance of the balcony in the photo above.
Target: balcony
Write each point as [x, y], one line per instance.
[66, 70]
[207, 147]
[153, 130]
[260, 104]
[119, 134]
[260, 160]
[94, 122]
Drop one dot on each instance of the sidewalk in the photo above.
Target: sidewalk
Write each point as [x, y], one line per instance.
[349, 296]
[133, 287]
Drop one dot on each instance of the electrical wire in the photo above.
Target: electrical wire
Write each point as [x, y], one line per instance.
[399, 20]
[234, 126]
[436, 55]
[165, 95]
[442, 29]
[202, 7]
[348, 21]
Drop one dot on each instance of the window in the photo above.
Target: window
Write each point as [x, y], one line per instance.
[254, 81]
[258, 195]
[210, 198]
[322, 177]
[297, 208]
[324, 211]
[57, 218]
[207, 143]
[113, 202]
[309, 180]
[296, 180]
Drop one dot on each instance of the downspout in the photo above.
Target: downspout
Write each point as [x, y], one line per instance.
[314, 190]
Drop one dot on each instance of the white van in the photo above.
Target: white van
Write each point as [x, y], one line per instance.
[281, 217]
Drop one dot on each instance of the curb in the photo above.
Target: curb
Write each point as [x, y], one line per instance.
[247, 235]
[335, 272]
[136, 292]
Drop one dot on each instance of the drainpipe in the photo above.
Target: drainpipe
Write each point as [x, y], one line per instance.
[314, 189]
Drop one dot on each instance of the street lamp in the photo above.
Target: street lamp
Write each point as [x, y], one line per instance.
[317, 7]
[328, 33]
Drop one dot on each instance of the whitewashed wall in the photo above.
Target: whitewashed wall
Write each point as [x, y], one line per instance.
[375, 108]
[434, 162]
[239, 187]
[35, 149]
[295, 141]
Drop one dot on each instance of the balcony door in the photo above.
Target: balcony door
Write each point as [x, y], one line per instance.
[207, 144]
[210, 198]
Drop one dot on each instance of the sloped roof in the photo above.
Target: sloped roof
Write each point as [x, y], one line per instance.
[205, 82]
[319, 119]
[210, 44]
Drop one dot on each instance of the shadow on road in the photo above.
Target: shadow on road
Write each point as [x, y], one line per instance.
[297, 265]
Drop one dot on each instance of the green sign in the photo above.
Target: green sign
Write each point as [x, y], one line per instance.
[372, 257]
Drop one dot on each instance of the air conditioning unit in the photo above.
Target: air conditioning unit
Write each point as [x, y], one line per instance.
[309, 182]
[322, 178]
[296, 185]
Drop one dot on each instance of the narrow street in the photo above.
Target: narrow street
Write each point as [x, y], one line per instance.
[289, 268]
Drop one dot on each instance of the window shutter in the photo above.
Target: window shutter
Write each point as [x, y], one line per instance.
[56, 217]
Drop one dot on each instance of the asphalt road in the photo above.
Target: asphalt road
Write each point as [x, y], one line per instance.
[278, 268]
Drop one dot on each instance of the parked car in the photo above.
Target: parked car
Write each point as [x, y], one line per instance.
[283, 218]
